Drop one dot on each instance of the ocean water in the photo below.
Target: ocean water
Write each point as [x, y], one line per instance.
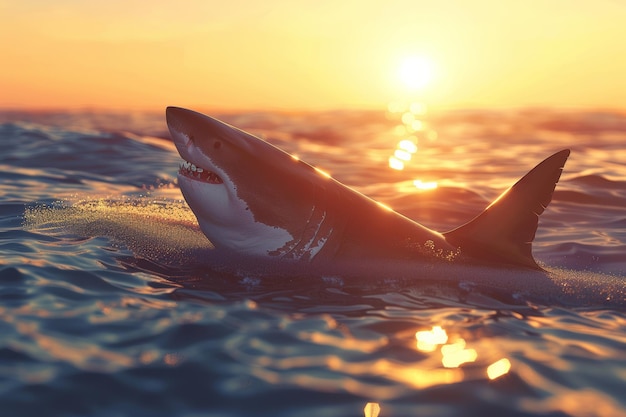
[107, 307]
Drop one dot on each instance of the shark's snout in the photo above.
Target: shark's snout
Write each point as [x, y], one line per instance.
[173, 116]
[206, 133]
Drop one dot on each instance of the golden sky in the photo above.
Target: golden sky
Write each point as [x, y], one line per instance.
[311, 54]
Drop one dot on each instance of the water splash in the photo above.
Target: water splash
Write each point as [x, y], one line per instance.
[150, 228]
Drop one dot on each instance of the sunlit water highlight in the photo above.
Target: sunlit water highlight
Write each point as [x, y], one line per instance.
[109, 304]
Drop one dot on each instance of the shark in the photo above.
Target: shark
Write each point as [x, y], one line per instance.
[254, 199]
[255, 202]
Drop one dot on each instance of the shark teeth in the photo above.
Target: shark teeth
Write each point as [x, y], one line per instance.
[192, 171]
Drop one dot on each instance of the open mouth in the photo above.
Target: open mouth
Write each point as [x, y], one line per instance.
[189, 170]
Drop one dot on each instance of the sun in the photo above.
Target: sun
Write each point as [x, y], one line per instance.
[415, 72]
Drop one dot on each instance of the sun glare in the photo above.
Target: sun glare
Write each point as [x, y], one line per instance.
[415, 72]
[425, 185]
[322, 172]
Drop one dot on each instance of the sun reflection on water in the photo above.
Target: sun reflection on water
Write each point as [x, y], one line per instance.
[428, 340]
[499, 368]
[402, 155]
[425, 185]
[395, 163]
[409, 145]
[411, 129]
[454, 354]
[371, 410]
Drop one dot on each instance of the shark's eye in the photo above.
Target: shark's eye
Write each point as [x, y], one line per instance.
[217, 144]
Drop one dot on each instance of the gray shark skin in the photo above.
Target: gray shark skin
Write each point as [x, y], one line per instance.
[257, 202]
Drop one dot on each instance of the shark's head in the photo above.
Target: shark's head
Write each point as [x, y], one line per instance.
[247, 195]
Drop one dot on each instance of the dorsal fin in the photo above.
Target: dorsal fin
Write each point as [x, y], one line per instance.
[504, 232]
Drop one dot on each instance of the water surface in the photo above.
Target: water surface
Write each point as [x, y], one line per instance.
[104, 310]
